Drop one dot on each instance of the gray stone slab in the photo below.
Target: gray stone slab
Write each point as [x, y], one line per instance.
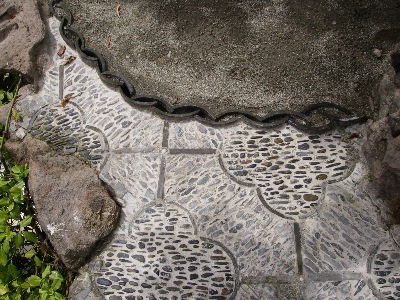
[255, 55]
[134, 179]
[194, 135]
[339, 290]
[290, 168]
[164, 257]
[342, 235]
[231, 214]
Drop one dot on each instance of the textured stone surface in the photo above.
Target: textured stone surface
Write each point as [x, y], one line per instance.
[22, 151]
[174, 184]
[249, 55]
[290, 168]
[63, 128]
[385, 270]
[21, 30]
[73, 207]
[382, 151]
[231, 214]
[339, 290]
[134, 179]
[341, 236]
[163, 257]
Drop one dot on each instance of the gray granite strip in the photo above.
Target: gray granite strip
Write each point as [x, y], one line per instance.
[134, 150]
[161, 181]
[297, 239]
[280, 279]
[61, 82]
[192, 151]
[334, 276]
[165, 137]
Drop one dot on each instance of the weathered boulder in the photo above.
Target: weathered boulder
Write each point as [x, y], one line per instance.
[395, 232]
[73, 207]
[382, 149]
[22, 151]
[21, 30]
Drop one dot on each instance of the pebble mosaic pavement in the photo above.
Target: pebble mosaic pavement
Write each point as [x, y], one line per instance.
[216, 213]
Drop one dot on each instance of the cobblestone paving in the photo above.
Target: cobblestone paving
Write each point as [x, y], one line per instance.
[216, 213]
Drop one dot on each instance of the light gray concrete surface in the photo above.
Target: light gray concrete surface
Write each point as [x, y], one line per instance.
[252, 55]
[217, 213]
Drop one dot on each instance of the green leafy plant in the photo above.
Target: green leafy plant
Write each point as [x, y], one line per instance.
[28, 268]
[8, 87]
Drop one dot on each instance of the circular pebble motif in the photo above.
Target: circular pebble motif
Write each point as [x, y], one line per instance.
[289, 167]
[163, 258]
[63, 129]
[385, 270]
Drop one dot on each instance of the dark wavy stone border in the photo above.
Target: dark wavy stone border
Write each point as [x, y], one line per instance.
[316, 118]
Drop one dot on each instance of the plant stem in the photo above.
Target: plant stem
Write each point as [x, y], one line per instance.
[5, 131]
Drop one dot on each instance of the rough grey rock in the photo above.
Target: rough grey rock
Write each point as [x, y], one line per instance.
[395, 232]
[22, 151]
[382, 151]
[382, 148]
[73, 207]
[21, 30]
[81, 288]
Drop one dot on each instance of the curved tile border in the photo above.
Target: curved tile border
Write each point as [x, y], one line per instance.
[164, 258]
[309, 119]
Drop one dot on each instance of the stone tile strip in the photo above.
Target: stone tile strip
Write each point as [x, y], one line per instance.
[297, 238]
[61, 82]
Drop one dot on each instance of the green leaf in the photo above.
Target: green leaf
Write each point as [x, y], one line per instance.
[59, 296]
[3, 183]
[15, 213]
[18, 240]
[3, 258]
[25, 285]
[33, 297]
[6, 246]
[43, 294]
[1, 95]
[16, 169]
[29, 254]
[4, 201]
[6, 76]
[30, 237]
[25, 222]
[2, 236]
[34, 280]
[46, 272]
[55, 275]
[56, 284]
[3, 289]
[10, 96]
[13, 271]
[37, 260]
